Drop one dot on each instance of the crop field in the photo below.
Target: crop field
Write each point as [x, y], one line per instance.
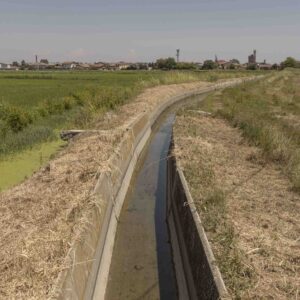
[30, 88]
[35, 106]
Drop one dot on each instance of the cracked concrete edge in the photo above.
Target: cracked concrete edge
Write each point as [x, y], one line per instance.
[81, 259]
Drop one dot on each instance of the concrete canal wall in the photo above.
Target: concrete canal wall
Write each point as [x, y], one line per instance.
[90, 256]
[193, 257]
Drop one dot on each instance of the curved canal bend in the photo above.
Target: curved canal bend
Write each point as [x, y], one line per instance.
[142, 264]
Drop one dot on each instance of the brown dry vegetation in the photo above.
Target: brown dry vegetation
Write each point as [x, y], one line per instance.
[246, 199]
[268, 114]
[41, 217]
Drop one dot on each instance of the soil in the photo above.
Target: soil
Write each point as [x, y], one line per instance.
[260, 203]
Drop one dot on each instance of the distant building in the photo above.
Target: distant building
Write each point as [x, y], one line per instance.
[220, 62]
[44, 61]
[4, 66]
[82, 66]
[122, 65]
[38, 66]
[98, 66]
[264, 66]
[69, 65]
[252, 58]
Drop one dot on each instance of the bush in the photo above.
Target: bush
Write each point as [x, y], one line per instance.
[185, 66]
[209, 65]
[17, 120]
[290, 62]
[166, 63]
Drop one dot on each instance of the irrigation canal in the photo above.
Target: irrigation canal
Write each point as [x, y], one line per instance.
[142, 264]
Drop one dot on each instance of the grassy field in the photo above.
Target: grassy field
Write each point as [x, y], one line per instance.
[268, 113]
[243, 167]
[35, 106]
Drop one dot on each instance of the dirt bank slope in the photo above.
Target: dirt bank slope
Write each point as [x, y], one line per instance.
[247, 205]
[41, 217]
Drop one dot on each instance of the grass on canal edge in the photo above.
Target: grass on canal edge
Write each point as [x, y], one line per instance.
[211, 202]
[268, 113]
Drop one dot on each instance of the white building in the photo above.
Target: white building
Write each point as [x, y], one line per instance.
[69, 65]
[4, 66]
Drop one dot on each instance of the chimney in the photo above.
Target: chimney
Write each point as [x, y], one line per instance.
[254, 54]
[36, 59]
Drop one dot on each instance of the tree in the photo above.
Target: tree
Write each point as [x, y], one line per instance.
[290, 62]
[142, 66]
[209, 65]
[15, 64]
[23, 65]
[235, 61]
[166, 63]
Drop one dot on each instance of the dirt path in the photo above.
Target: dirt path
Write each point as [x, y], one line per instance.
[41, 217]
[247, 205]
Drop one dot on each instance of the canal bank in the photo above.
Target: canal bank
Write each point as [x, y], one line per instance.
[121, 264]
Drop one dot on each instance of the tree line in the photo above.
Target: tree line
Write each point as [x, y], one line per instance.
[171, 64]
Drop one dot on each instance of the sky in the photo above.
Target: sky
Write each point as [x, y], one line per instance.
[144, 30]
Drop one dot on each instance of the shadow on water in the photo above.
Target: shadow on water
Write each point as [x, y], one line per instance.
[166, 273]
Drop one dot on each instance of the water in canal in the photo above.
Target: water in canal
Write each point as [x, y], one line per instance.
[142, 265]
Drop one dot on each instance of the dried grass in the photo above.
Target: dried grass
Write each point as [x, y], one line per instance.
[42, 217]
[254, 229]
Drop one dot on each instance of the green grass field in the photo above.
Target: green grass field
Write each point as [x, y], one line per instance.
[28, 89]
[35, 106]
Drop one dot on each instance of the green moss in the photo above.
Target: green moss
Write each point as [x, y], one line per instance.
[17, 167]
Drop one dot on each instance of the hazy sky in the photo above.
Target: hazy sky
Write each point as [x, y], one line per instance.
[144, 30]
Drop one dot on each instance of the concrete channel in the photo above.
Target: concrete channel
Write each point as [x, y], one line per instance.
[142, 264]
[127, 250]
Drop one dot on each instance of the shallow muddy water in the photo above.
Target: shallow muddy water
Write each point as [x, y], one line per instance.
[142, 264]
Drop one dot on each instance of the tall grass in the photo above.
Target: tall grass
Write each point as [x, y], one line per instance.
[265, 113]
[25, 139]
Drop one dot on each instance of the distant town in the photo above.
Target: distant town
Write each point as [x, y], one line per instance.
[167, 63]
